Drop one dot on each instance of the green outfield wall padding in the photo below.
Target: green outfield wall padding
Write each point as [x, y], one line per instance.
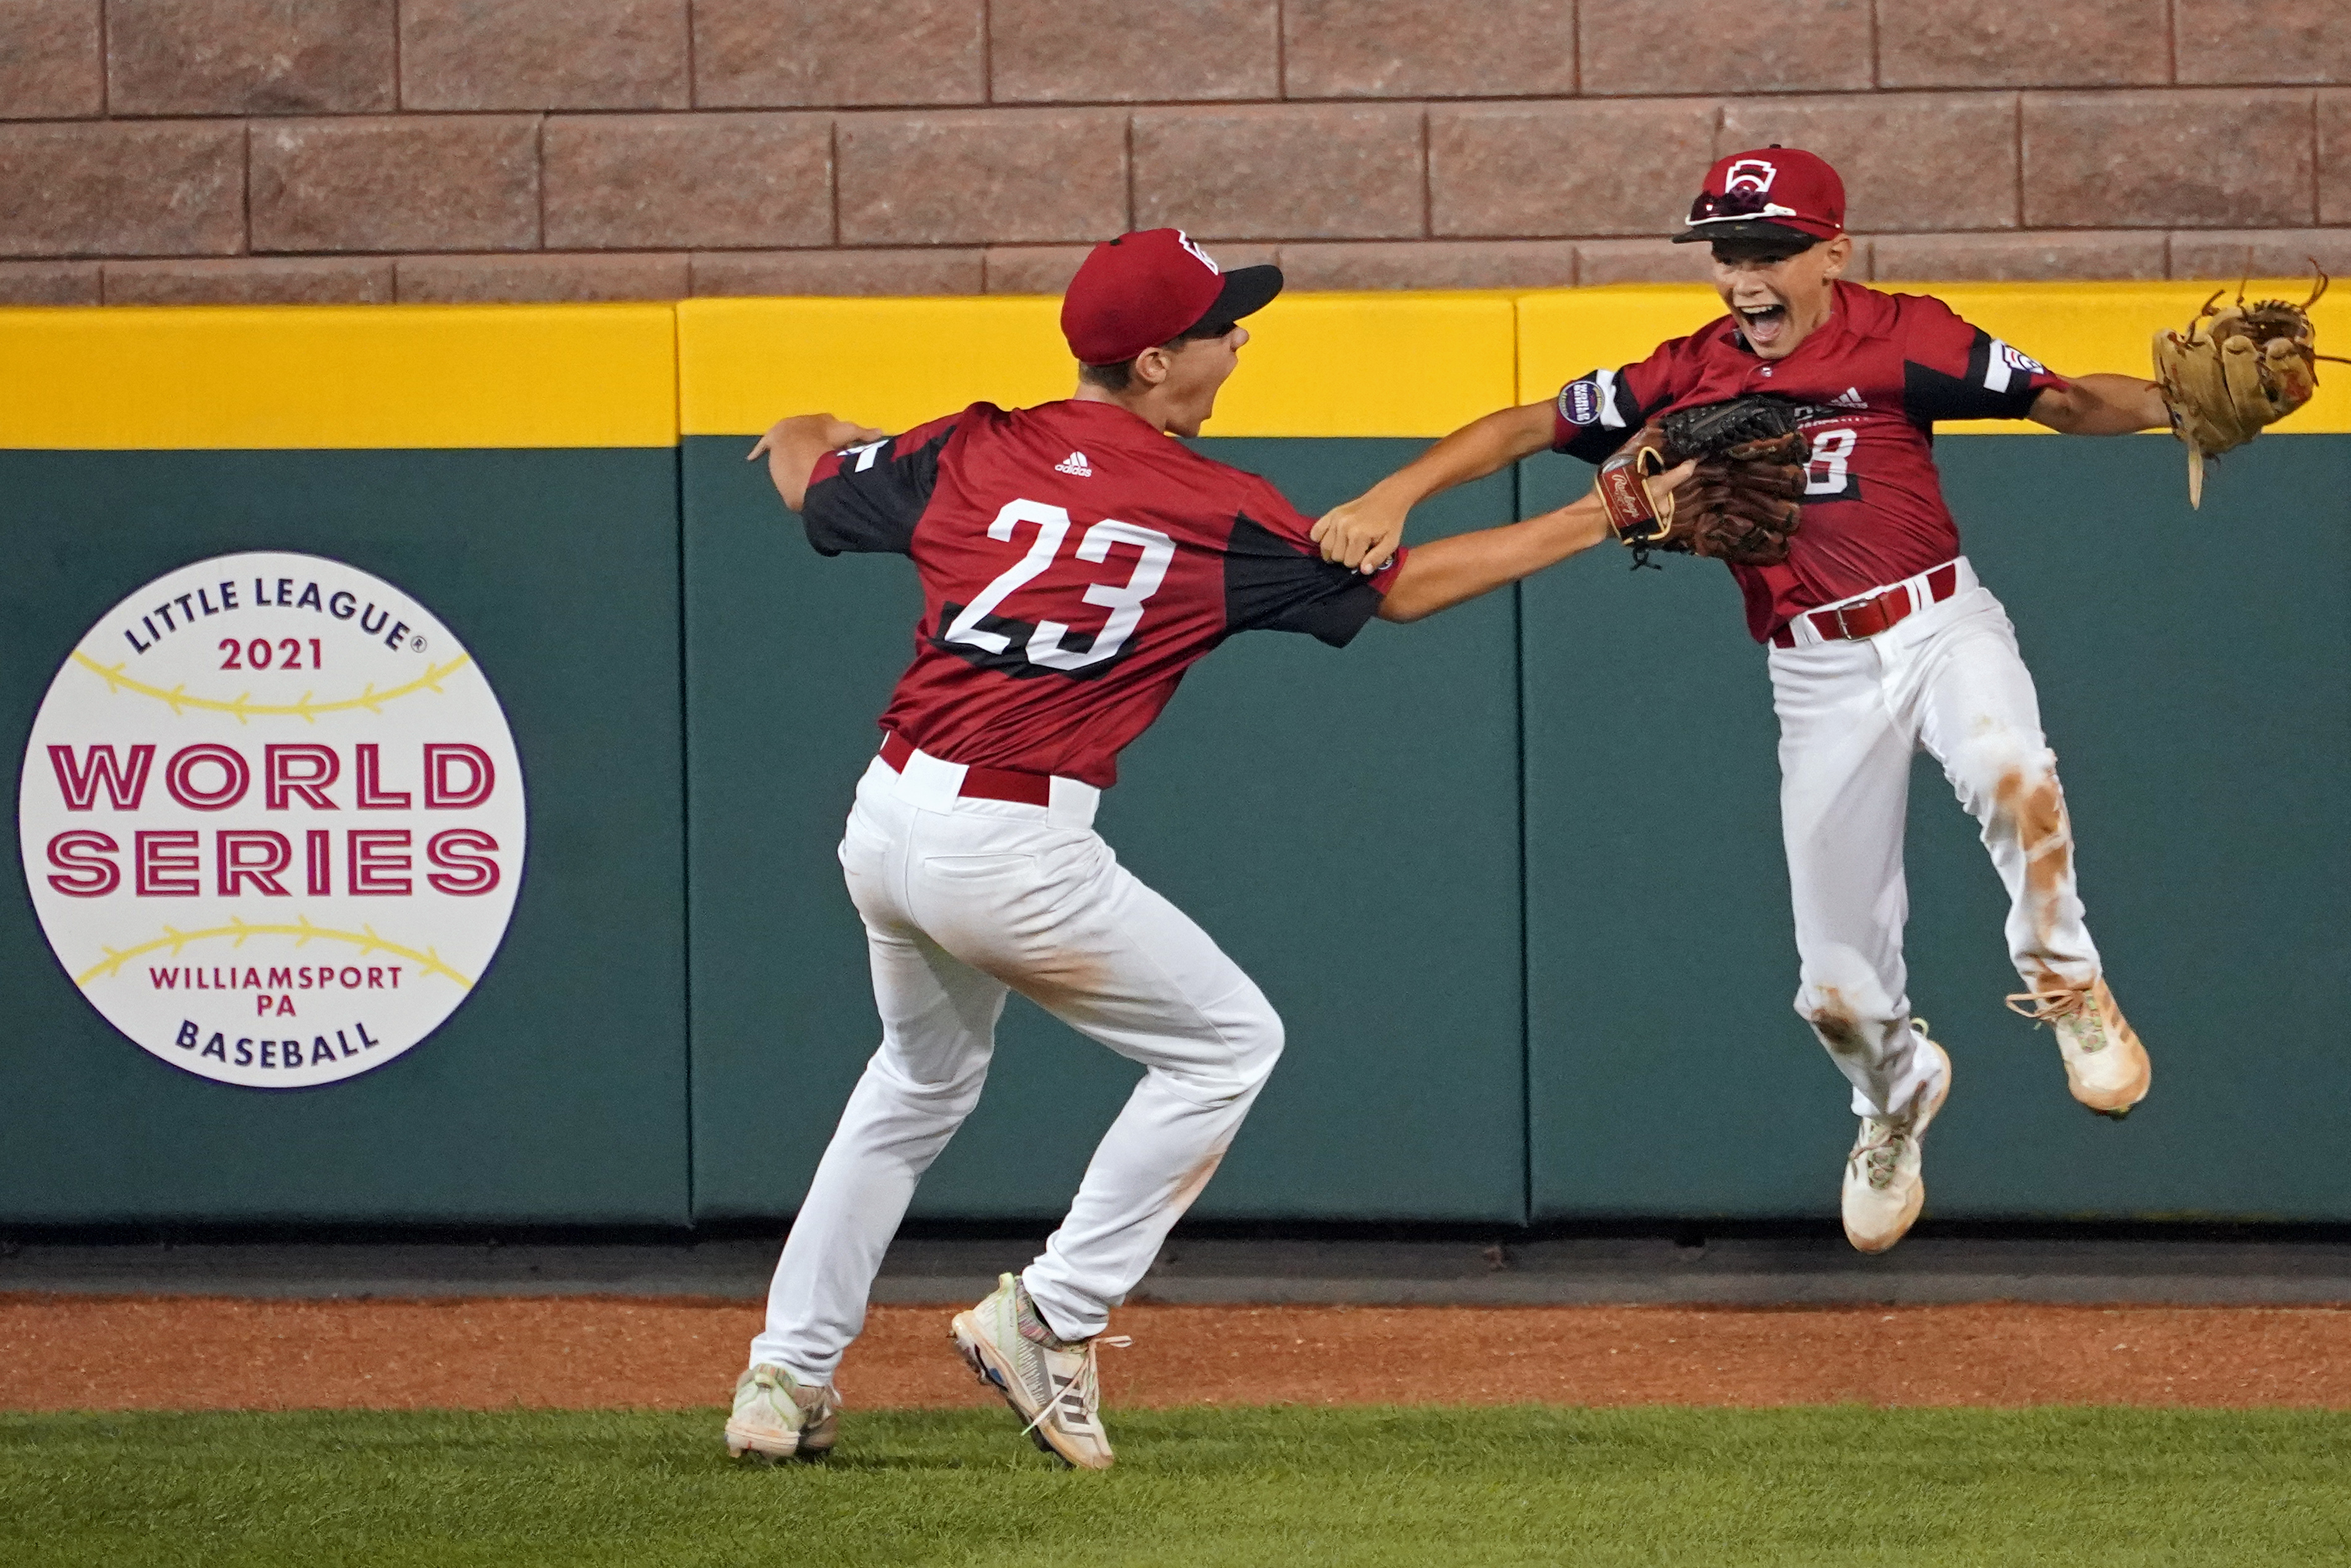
[556, 1093]
[2195, 682]
[1580, 1011]
[1344, 822]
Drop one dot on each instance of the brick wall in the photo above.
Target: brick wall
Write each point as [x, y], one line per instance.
[186, 150]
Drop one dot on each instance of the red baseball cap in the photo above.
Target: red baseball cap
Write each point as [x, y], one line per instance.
[1773, 192]
[1150, 287]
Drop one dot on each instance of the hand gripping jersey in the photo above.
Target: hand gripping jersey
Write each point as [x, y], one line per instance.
[1879, 374]
[1075, 563]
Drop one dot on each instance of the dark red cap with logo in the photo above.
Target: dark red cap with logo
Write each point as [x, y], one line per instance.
[1150, 287]
[1770, 193]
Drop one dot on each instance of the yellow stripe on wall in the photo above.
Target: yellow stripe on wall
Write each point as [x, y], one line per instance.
[1370, 364]
[128, 378]
[633, 375]
[890, 363]
[2074, 329]
[1316, 364]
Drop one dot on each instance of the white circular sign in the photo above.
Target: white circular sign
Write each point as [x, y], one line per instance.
[272, 820]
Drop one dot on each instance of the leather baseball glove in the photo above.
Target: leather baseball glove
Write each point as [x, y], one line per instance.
[1741, 503]
[2235, 371]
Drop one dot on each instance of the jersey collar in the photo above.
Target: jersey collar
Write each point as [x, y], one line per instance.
[1117, 425]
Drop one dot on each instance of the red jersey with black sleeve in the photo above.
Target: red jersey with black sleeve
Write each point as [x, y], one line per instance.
[1877, 375]
[1075, 563]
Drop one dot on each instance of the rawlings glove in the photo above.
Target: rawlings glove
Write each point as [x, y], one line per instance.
[1742, 502]
[2235, 371]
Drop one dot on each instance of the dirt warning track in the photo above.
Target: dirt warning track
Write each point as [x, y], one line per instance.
[209, 1352]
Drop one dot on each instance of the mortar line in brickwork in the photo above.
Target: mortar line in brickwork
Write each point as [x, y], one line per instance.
[1563, 100]
[987, 51]
[1876, 74]
[693, 85]
[538, 178]
[2317, 177]
[245, 186]
[399, 66]
[105, 73]
[1281, 49]
[1127, 127]
[2171, 37]
[956, 111]
[1428, 182]
[2017, 122]
[832, 185]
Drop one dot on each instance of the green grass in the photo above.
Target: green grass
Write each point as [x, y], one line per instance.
[1284, 1487]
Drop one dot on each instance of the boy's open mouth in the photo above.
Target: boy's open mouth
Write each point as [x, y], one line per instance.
[1762, 323]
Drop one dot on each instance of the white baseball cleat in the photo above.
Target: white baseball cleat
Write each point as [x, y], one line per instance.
[1883, 1186]
[2105, 1066]
[777, 1417]
[1048, 1381]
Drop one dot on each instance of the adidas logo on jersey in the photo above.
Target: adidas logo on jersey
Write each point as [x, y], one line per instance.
[1076, 464]
[1849, 398]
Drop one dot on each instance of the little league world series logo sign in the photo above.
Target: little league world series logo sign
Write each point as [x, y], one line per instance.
[272, 820]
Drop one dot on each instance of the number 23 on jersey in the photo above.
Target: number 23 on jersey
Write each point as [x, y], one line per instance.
[1124, 600]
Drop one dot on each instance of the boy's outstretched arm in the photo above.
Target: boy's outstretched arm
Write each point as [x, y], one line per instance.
[1448, 571]
[1363, 533]
[793, 446]
[2101, 405]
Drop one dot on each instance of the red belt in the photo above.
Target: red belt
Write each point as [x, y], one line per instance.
[980, 783]
[1870, 616]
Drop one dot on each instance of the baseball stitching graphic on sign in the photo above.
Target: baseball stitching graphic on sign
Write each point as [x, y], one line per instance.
[272, 820]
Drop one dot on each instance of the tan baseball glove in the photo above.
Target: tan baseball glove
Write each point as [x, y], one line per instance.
[2235, 371]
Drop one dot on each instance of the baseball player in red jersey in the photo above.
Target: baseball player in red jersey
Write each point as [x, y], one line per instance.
[1882, 640]
[1074, 562]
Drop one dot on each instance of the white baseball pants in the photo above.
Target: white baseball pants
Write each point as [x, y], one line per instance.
[1851, 715]
[964, 900]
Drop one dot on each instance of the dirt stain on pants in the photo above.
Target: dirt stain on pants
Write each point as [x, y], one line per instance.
[2033, 806]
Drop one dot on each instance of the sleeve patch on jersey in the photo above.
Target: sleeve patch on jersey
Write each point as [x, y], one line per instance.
[1596, 412]
[2014, 359]
[1581, 402]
